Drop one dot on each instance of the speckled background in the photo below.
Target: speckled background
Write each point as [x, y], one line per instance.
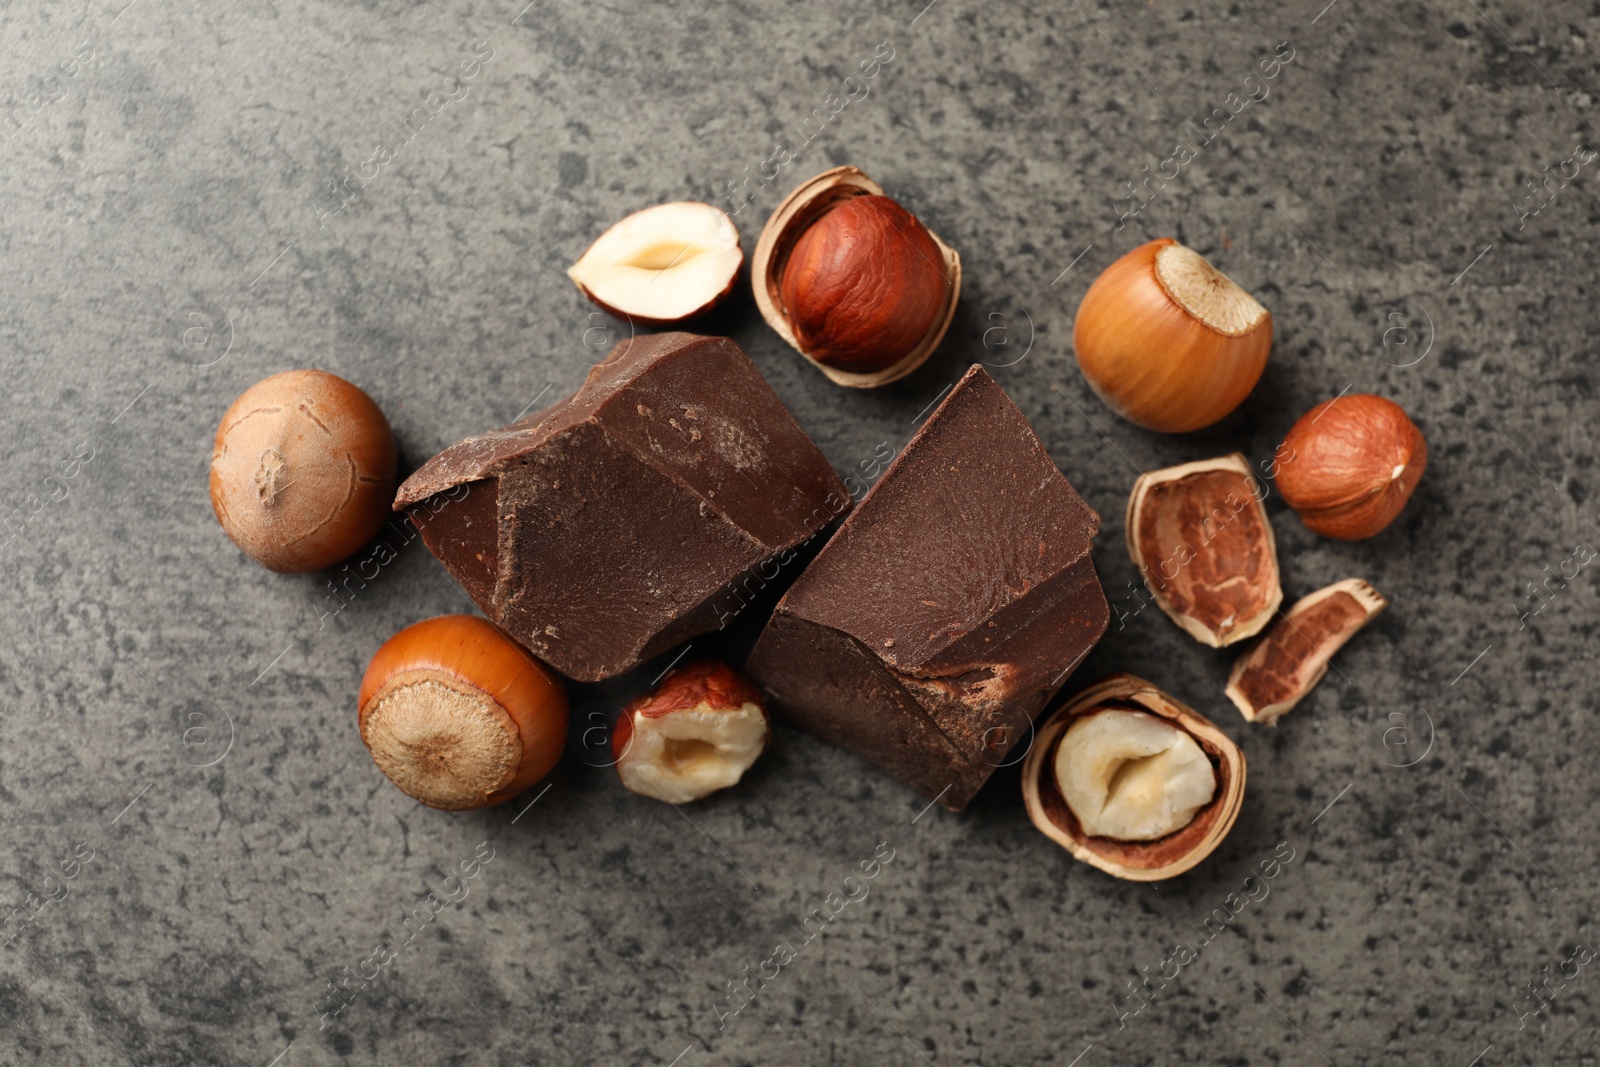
[177, 725]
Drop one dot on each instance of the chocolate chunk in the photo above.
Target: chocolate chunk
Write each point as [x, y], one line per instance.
[948, 608]
[611, 526]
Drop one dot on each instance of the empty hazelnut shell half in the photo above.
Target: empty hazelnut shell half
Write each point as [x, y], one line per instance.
[1137, 861]
[1201, 540]
[1350, 464]
[866, 295]
[1291, 658]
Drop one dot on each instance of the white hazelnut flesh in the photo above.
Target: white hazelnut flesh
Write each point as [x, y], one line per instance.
[1130, 776]
[662, 265]
[697, 733]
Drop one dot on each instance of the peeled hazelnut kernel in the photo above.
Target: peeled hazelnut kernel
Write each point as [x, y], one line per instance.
[1132, 777]
[1350, 464]
[662, 265]
[1292, 656]
[853, 281]
[697, 733]
[458, 716]
[1203, 544]
[1168, 341]
[1108, 764]
[302, 471]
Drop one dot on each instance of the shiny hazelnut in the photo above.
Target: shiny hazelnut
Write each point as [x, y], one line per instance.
[302, 471]
[459, 716]
[854, 281]
[697, 733]
[1350, 464]
[1168, 341]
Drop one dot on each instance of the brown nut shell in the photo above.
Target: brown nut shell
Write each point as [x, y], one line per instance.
[783, 233]
[1291, 658]
[1168, 341]
[1350, 464]
[302, 471]
[1136, 861]
[1201, 539]
[459, 716]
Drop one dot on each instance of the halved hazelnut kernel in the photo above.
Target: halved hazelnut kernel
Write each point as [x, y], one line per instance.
[458, 716]
[700, 730]
[1107, 780]
[1131, 776]
[1201, 539]
[853, 281]
[1291, 658]
[662, 265]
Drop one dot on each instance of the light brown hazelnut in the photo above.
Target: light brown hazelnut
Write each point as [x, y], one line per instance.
[302, 471]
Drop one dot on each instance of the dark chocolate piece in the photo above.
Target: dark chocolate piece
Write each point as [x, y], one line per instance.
[603, 530]
[948, 608]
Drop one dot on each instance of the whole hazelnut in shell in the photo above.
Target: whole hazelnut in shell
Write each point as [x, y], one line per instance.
[302, 471]
[1168, 341]
[459, 716]
[1350, 464]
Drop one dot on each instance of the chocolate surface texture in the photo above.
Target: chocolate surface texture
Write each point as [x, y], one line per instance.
[948, 608]
[607, 528]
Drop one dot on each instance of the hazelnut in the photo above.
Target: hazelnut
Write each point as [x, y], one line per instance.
[1291, 658]
[1201, 540]
[1130, 776]
[1350, 464]
[1133, 782]
[853, 281]
[662, 265]
[697, 733]
[302, 471]
[1168, 341]
[459, 716]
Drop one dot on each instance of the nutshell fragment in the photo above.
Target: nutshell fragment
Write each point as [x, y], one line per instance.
[599, 532]
[948, 608]
[1291, 658]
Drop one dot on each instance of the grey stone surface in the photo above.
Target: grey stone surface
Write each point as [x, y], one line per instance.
[187, 719]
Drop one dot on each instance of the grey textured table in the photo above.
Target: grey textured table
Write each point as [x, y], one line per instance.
[179, 727]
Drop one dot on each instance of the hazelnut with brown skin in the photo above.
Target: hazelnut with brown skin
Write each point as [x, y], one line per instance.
[854, 281]
[863, 285]
[302, 471]
[1351, 464]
